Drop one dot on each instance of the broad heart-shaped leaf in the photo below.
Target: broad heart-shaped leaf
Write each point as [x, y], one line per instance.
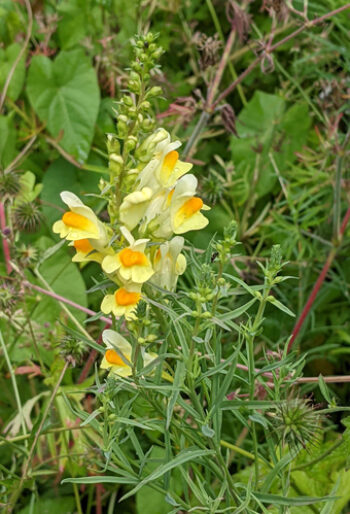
[77, 19]
[65, 95]
[265, 127]
[7, 59]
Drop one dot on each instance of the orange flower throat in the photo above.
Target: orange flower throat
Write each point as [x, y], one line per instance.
[130, 258]
[74, 220]
[126, 298]
[113, 358]
[192, 206]
[83, 245]
[169, 162]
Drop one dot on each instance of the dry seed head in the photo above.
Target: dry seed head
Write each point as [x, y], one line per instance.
[27, 217]
[72, 349]
[9, 184]
[296, 422]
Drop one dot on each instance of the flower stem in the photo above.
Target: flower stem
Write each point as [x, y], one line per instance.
[14, 384]
[19, 488]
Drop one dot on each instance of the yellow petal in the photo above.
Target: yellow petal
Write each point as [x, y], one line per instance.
[110, 263]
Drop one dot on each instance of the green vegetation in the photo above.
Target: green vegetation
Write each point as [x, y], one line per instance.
[228, 384]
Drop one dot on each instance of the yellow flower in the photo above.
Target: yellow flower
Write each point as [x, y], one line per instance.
[165, 168]
[85, 252]
[123, 302]
[148, 147]
[119, 362]
[169, 263]
[130, 263]
[134, 207]
[185, 207]
[80, 222]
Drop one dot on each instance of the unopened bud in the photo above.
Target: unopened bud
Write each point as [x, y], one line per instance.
[127, 100]
[134, 86]
[154, 91]
[115, 163]
[148, 125]
[146, 149]
[130, 143]
[145, 106]
[113, 145]
[122, 128]
[132, 112]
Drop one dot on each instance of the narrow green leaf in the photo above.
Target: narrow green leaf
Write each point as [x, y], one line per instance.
[281, 307]
[100, 480]
[178, 380]
[179, 460]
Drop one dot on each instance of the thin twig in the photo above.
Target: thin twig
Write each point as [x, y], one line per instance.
[221, 68]
[91, 359]
[20, 54]
[18, 489]
[67, 301]
[272, 48]
[64, 154]
[319, 282]
[21, 154]
[14, 384]
[5, 244]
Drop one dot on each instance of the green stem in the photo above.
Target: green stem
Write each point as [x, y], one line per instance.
[251, 370]
[18, 490]
[77, 498]
[14, 384]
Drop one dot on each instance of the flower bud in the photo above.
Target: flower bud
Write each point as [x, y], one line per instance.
[134, 86]
[150, 37]
[154, 91]
[122, 128]
[147, 125]
[127, 100]
[136, 66]
[115, 163]
[157, 53]
[134, 76]
[113, 145]
[145, 105]
[130, 143]
[132, 112]
[146, 149]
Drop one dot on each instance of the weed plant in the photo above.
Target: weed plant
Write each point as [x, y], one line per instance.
[184, 352]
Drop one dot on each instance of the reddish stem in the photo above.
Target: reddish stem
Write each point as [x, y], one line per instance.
[91, 359]
[318, 283]
[269, 50]
[67, 301]
[5, 244]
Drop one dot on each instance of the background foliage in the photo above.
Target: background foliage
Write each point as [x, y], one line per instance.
[277, 163]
